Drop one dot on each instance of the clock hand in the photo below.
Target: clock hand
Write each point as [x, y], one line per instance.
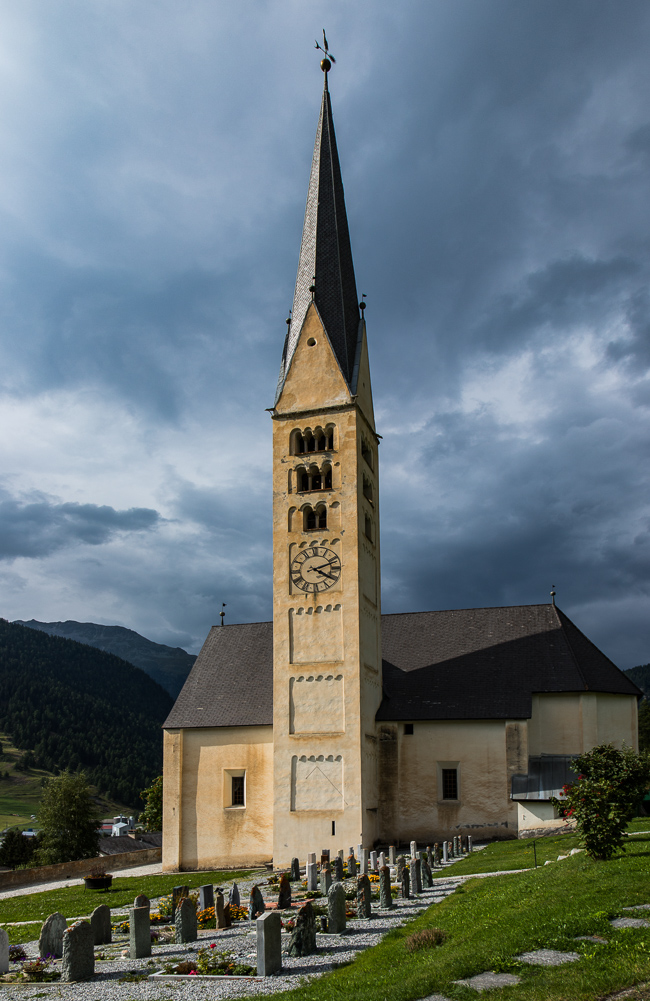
[322, 573]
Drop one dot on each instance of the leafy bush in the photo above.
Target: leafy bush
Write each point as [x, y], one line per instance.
[604, 798]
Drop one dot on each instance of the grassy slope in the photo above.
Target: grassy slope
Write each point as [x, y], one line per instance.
[75, 901]
[491, 920]
[20, 793]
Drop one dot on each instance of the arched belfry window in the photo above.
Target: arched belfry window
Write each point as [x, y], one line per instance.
[314, 478]
[367, 489]
[307, 440]
[314, 518]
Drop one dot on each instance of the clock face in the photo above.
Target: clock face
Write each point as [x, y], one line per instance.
[315, 569]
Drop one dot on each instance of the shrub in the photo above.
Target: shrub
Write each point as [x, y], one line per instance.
[605, 796]
[425, 939]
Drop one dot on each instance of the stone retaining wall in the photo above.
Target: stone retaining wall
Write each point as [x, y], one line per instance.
[71, 870]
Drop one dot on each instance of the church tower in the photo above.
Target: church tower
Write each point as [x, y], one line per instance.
[326, 571]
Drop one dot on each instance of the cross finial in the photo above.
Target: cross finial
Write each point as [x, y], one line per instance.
[328, 58]
[222, 613]
[553, 595]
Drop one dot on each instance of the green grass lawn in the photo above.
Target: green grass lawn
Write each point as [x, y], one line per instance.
[490, 921]
[75, 901]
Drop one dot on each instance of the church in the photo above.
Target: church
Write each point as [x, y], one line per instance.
[334, 725]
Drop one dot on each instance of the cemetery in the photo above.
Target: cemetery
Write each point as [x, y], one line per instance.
[401, 919]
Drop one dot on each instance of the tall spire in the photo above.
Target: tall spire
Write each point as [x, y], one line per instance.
[325, 268]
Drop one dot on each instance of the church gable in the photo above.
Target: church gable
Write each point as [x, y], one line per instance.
[314, 380]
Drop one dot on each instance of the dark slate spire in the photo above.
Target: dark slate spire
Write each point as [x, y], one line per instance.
[326, 255]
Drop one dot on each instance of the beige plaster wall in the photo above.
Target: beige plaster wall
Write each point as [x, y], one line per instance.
[535, 815]
[210, 833]
[573, 722]
[411, 805]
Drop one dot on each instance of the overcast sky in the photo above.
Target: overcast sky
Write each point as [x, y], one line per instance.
[154, 160]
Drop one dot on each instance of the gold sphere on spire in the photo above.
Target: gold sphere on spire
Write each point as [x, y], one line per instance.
[325, 65]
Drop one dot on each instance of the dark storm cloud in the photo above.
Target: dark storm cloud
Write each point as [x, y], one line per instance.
[152, 185]
[40, 527]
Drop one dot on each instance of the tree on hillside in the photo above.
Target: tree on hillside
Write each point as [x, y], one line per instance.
[644, 726]
[16, 849]
[151, 816]
[605, 797]
[68, 820]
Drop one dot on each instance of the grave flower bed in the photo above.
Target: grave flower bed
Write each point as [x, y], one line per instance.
[206, 918]
[210, 963]
[32, 971]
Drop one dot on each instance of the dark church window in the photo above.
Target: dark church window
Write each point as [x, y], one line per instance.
[368, 528]
[304, 481]
[310, 519]
[321, 514]
[449, 783]
[367, 489]
[316, 481]
[365, 452]
[328, 479]
[238, 790]
[408, 729]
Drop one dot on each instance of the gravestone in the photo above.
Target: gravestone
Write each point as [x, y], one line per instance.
[414, 849]
[427, 876]
[100, 922]
[341, 854]
[295, 869]
[445, 852]
[405, 881]
[336, 909]
[206, 897]
[311, 857]
[338, 869]
[256, 905]
[78, 961]
[178, 892]
[227, 916]
[436, 854]
[470, 844]
[401, 864]
[325, 879]
[142, 900]
[4, 951]
[220, 917]
[312, 876]
[391, 854]
[186, 925]
[359, 850]
[416, 886]
[385, 896]
[284, 895]
[140, 932]
[382, 860]
[50, 942]
[303, 936]
[269, 943]
[233, 897]
[363, 897]
[373, 861]
[324, 856]
[352, 865]
[363, 861]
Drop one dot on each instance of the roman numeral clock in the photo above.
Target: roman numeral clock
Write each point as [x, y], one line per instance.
[315, 569]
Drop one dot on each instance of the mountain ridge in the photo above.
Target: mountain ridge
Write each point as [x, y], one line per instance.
[168, 666]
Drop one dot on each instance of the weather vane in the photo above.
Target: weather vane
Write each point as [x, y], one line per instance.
[326, 63]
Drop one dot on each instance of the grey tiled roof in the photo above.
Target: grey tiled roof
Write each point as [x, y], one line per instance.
[231, 683]
[326, 254]
[120, 845]
[470, 663]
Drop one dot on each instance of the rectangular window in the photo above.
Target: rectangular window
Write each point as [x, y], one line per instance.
[237, 798]
[408, 729]
[449, 783]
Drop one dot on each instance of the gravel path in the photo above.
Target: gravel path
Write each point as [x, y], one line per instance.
[241, 940]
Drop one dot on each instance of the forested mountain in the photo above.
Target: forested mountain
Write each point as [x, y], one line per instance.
[640, 676]
[74, 706]
[167, 665]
